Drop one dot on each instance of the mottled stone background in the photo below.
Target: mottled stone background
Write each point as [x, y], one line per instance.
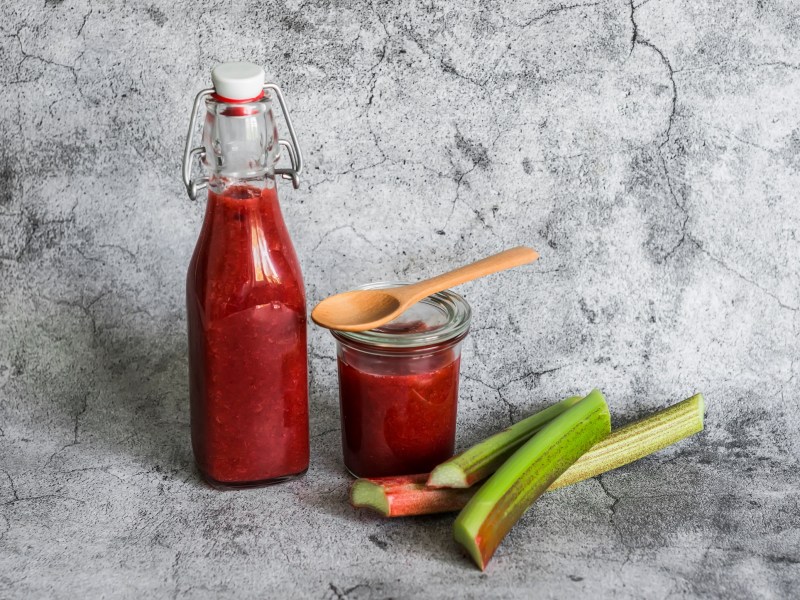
[649, 151]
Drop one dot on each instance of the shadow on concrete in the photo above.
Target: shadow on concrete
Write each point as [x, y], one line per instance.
[142, 408]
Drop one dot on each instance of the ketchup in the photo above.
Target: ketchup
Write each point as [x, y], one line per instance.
[246, 306]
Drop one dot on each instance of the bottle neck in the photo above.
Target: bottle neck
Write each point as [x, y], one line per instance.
[243, 193]
[234, 186]
[241, 143]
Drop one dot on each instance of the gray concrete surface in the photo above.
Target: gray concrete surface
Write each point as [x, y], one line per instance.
[649, 151]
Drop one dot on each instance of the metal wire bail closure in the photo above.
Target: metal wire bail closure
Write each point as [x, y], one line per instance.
[198, 153]
[292, 148]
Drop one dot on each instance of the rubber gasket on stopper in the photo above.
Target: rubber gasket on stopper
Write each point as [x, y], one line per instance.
[238, 82]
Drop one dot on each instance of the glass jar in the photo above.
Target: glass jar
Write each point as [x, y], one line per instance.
[398, 387]
[246, 307]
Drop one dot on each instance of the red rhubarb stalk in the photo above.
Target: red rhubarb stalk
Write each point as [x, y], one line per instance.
[406, 495]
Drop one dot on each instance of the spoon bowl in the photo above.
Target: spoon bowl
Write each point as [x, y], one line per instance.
[357, 310]
[361, 310]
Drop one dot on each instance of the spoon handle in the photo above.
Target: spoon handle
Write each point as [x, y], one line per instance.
[521, 255]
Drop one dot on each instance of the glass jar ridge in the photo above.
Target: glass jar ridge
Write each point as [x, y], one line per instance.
[455, 316]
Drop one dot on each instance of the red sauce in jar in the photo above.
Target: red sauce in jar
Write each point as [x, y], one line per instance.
[247, 343]
[398, 424]
[399, 399]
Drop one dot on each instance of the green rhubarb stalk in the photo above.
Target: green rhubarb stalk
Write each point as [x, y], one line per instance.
[503, 499]
[408, 495]
[637, 440]
[484, 458]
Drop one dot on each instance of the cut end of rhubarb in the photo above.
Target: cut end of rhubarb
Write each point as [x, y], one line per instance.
[365, 494]
[471, 545]
[700, 402]
[448, 475]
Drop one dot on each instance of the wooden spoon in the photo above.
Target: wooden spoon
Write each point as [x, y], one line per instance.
[360, 310]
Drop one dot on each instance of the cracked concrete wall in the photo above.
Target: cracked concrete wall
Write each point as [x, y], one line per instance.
[648, 150]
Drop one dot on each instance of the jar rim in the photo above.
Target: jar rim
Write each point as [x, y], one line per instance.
[452, 305]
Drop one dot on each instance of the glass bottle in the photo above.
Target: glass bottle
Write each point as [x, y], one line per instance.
[245, 299]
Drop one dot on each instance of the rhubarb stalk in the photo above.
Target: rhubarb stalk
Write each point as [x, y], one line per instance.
[484, 458]
[638, 439]
[408, 495]
[503, 499]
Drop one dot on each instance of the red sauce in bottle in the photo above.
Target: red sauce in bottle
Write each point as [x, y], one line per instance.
[247, 343]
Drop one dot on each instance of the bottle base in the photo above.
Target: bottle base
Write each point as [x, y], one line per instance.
[243, 485]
